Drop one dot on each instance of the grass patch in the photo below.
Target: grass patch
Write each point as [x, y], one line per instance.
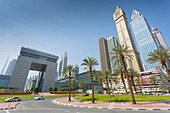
[125, 98]
[29, 96]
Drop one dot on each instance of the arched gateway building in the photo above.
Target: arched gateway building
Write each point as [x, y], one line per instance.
[30, 59]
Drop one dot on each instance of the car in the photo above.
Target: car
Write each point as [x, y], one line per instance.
[13, 99]
[149, 93]
[86, 95]
[39, 98]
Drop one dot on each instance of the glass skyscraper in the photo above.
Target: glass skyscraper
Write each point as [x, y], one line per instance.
[111, 43]
[144, 38]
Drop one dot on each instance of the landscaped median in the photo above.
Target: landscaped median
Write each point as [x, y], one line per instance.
[125, 98]
[119, 102]
[27, 97]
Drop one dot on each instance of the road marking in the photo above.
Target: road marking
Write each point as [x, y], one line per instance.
[67, 111]
[7, 111]
[77, 112]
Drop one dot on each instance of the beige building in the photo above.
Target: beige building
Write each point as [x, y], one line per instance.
[104, 54]
[126, 38]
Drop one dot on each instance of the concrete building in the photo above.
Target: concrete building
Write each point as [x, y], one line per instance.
[126, 38]
[30, 59]
[10, 67]
[64, 63]
[159, 39]
[111, 43]
[144, 38]
[104, 54]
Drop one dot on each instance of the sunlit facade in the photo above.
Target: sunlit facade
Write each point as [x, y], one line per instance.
[144, 38]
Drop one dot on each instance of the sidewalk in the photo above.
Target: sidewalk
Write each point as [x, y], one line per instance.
[4, 106]
[159, 105]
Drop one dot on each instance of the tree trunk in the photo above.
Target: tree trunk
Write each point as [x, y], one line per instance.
[140, 88]
[69, 87]
[156, 88]
[123, 81]
[111, 86]
[168, 71]
[82, 94]
[90, 71]
[133, 84]
[73, 90]
[102, 88]
[108, 90]
[129, 85]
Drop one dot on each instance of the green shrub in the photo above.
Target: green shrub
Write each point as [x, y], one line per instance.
[35, 89]
[55, 89]
[50, 89]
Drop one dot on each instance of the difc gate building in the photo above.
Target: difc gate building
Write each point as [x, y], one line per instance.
[30, 59]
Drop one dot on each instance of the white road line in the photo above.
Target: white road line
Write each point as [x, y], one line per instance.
[77, 112]
[7, 111]
[67, 111]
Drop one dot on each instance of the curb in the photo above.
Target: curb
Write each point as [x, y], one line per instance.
[10, 107]
[114, 108]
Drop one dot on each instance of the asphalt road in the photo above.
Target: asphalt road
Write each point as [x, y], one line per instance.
[46, 106]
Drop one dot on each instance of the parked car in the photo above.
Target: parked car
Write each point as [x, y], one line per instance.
[13, 99]
[149, 93]
[39, 98]
[86, 94]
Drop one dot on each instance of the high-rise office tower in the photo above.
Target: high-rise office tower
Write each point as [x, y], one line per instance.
[126, 38]
[60, 67]
[10, 67]
[144, 38]
[64, 63]
[4, 67]
[159, 39]
[111, 43]
[104, 54]
[76, 68]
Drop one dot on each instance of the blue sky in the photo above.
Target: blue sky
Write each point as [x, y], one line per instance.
[56, 26]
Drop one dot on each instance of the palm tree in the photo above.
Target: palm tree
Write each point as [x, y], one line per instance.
[119, 70]
[123, 52]
[73, 83]
[153, 79]
[82, 84]
[106, 77]
[132, 74]
[90, 62]
[100, 80]
[137, 80]
[160, 55]
[115, 79]
[69, 69]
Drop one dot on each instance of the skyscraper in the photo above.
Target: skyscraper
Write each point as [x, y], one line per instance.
[112, 42]
[104, 54]
[76, 67]
[64, 63]
[159, 39]
[4, 67]
[60, 67]
[144, 38]
[10, 67]
[126, 38]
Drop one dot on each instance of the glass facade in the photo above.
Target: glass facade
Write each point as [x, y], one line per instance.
[112, 42]
[144, 38]
[83, 76]
[38, 57]
[4, 80]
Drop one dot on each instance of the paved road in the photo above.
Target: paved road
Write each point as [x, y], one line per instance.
[46, 106]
